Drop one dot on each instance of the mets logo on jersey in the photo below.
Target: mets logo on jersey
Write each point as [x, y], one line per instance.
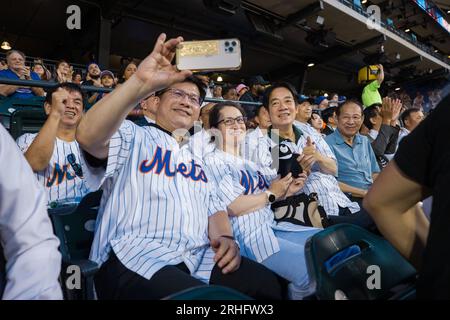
[161, 164]
[250, 185]
[59, 175]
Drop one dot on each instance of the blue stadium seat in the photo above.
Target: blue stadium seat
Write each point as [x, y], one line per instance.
[340, 262]
[208, 293]
[74, 226]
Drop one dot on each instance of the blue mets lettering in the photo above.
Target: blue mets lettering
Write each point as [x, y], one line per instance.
[160, 163]
[58, 175]
[248, 182]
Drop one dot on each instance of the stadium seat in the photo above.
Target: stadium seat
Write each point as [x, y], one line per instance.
[340, 262]
[26, 120]
[74, 226]
[208, 293]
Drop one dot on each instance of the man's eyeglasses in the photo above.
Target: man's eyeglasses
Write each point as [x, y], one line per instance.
[181, 95]
[230, 121]
[75, 166]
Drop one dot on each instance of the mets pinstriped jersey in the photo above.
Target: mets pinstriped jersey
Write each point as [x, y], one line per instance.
[156, 202]
[234, 177]
[62, 179]
[257, 147]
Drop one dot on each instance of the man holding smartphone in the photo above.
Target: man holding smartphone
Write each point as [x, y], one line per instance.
[17, 70]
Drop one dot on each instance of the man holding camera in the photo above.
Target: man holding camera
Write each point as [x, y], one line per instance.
[17, 70]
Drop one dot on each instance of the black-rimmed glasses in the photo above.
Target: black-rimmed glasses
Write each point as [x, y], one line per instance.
[230, 121]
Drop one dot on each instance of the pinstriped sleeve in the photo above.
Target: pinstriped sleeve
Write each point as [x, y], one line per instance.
[25, 141]
[120, 147]
[226, 181]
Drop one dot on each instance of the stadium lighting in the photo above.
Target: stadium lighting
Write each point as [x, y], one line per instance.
[436, 51]
[364, 1]
[311, 64]
[5, 45]
[407, 30]
[219, 79]
[397, 89]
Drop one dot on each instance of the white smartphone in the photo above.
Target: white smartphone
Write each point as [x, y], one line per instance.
[209, 55]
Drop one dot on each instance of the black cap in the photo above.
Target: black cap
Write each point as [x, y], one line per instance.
[257, 80]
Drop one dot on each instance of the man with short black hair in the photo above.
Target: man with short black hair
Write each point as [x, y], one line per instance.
[411, 118]
[330, 118]
[53, 153]
[316, 156]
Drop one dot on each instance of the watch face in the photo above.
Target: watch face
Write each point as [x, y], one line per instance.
[271, 198]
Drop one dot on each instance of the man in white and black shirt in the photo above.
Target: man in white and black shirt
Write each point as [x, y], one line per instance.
[53, 153]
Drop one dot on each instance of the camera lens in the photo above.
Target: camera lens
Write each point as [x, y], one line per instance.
[227, 43]
[231, 49]
[233, 43]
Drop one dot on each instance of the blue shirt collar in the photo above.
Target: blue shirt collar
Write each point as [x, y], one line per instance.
[340, 139]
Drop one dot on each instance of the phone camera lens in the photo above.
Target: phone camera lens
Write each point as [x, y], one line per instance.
[230, 49]
[233, 43]
[227, 44]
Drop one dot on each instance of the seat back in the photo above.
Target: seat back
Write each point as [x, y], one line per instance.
[208, 293]
[74, 225]
[343, 261]
[26, 120]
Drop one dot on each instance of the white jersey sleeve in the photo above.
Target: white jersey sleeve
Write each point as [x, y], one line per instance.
[25, 140]
[30, 247]
[120, 147]
[223, 179]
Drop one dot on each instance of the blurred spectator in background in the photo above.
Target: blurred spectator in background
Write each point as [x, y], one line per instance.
[380, 126]
[41, 70]
[410, 119]
[321, 102]
[107, 81]
[3, 65]
[229, 93]
[217, 92]
[418, 101]
[149, 107]
[370, 93]
[77, 78]
[127, 72]
[262, 118]
[406, 99]
[316, 122]
[93, 75]
[17, 70]
[334, 102]
[330, 119]
[241, 89]
[63, 72]
[204, 114]
[255, 94]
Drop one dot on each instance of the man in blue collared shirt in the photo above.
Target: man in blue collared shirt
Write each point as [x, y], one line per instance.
[357, 165]
[17, 70]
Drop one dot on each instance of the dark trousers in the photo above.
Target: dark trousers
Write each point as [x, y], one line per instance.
[115, 281]
[360, 218]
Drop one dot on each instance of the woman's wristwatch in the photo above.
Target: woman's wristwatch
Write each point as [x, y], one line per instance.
[270, 196]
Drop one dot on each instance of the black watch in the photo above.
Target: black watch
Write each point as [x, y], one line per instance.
[270, 196]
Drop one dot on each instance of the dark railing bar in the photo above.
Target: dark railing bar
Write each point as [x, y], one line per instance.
[51, 84]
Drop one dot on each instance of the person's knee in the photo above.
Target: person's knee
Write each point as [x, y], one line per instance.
[252, 279]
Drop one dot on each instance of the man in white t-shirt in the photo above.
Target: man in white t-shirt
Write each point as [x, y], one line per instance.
[53, 153]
